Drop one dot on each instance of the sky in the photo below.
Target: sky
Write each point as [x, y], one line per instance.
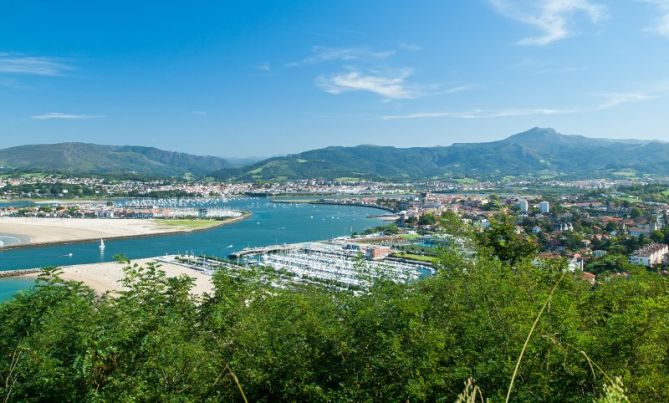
[262, 78]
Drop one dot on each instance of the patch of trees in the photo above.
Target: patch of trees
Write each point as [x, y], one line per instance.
[417, 342]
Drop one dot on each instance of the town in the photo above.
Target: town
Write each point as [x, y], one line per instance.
[601, 227]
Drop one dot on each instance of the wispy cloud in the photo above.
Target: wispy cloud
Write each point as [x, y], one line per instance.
[661, 24]
[553, 18]
[264, 66]
[32, 65]
[390, 84]
[614, 99]
[617, 98]
[561, 70]
[480, 114]
[64, 116]
[322, 54]
[462, 88]
[199, 113]
[411, 47]
[11, 83]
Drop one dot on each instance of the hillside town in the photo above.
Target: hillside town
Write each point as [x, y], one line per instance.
[600, 226]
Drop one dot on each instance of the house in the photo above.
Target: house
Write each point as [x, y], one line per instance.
[650, 255]
[640, 230]
[589, 277]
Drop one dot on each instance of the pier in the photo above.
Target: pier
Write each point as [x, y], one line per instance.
[18, 273]
[266, 249]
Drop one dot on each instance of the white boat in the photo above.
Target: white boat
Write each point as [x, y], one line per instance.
[102, 244]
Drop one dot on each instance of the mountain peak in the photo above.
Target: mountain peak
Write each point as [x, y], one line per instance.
[536, 133]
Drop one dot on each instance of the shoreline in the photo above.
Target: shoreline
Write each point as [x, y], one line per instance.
[105, 277]
[245, 214]
[297, 201]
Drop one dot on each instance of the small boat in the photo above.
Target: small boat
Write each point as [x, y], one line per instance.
[102, 244]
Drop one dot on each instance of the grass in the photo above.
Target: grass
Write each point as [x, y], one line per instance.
[466, 181]
[418, 258]
[626, 174]
[188, 224]
[631, 199]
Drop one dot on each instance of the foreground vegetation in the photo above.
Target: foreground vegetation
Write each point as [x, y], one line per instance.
[417, 342]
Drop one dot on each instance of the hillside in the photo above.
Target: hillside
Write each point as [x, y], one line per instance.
[536, 152]
[82, 158]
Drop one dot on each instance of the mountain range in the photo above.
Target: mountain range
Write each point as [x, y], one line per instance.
[82, 158]
[538, 152]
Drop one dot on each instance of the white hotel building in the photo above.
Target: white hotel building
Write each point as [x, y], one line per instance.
[650, 255]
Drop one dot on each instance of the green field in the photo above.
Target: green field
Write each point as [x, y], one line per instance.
[418, 258]
[626, 174]
[465, 181]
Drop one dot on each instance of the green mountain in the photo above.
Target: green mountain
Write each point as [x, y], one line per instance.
[537, 152]
[82, 158]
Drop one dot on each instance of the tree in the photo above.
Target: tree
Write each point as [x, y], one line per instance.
[427, 219]
[503, 242]
[155, 341]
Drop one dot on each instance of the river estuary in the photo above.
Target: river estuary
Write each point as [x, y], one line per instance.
[270, 224]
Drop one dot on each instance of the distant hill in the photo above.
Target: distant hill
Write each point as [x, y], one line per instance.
[537, 152]
[82, 158]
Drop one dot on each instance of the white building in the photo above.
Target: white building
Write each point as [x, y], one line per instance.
[545, 207]
[650, 255]
[523, 205]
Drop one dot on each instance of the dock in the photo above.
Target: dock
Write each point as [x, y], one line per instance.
[266, 249]
[18, 273]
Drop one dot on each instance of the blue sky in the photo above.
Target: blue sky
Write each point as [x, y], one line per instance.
[260, 78]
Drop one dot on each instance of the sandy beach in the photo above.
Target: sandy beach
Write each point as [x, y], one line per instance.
[42, 231]
[104, 277]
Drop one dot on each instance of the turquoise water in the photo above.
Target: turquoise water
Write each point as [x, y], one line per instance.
[10, 286]
[20, 203]
[269, 224]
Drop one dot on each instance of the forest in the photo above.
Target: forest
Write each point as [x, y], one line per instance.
[492, 327]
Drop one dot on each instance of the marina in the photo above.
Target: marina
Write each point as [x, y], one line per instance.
[270, 224]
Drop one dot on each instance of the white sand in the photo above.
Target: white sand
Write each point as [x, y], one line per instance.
[53, 230]
[103, 277]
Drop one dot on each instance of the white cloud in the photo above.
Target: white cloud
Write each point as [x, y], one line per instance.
[613, 99]
[64, 116]
[409, 46]
[321, 54]
[264, 66]
[479, 114]
[32, 65]
[661, 24]
[462, 88]
[554, 18]
[389, 84]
